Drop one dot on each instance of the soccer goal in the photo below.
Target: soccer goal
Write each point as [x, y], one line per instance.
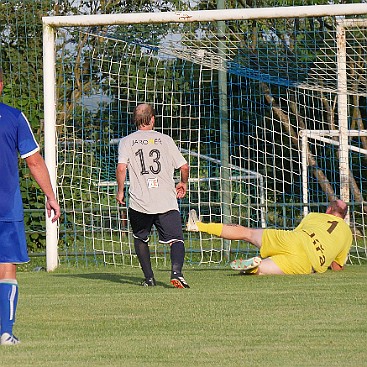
[267, 105]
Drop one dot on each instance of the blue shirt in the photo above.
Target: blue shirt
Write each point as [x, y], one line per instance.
[15, 137]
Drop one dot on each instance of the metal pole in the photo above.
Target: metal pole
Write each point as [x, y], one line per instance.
[50, 136]
[304, 150]
[224, 131]
[208, 15]
[343, 114]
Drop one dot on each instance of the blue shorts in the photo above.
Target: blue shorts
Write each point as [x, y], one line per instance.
[168, 225]
[13, 245]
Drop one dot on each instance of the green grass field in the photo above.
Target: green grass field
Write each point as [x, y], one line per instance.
[102, 317]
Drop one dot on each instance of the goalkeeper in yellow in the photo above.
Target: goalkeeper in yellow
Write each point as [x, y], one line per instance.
[320, 241]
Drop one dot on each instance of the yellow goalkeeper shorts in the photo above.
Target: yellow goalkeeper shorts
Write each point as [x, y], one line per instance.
[286, 249]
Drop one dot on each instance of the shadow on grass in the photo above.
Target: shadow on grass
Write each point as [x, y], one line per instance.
[110, 277]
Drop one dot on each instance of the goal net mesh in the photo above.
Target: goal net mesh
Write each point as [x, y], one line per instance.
[235, 97]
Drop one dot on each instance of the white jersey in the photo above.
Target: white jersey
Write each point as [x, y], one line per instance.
[151, 159]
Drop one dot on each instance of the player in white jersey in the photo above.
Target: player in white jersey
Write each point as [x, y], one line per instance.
[150, 158]
[16, 138]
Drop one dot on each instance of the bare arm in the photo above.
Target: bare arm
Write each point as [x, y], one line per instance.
[181, 187]
[120, 178]
[40, 173]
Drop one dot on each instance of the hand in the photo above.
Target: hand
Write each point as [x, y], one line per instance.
[181, 189]
[120, 198]
[53, 205]
[335, 266]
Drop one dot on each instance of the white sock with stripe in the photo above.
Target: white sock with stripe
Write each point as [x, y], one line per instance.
[8, 304]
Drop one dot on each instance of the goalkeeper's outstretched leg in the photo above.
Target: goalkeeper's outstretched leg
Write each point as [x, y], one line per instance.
[253, 266]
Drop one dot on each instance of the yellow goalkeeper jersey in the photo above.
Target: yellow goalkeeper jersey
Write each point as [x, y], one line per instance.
[330, 239]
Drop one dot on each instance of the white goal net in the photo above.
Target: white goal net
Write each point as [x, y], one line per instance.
[270, 113]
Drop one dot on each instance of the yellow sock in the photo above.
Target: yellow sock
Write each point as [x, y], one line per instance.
[211, 228]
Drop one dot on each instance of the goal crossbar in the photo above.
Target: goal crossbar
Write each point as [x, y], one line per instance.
[207, 15]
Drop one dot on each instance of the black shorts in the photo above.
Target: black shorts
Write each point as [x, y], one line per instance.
[168, 225]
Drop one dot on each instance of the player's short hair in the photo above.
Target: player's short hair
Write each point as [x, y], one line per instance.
[142, 115]
[340, 207]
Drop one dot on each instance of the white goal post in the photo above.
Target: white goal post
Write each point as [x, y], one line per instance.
[52, 23]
